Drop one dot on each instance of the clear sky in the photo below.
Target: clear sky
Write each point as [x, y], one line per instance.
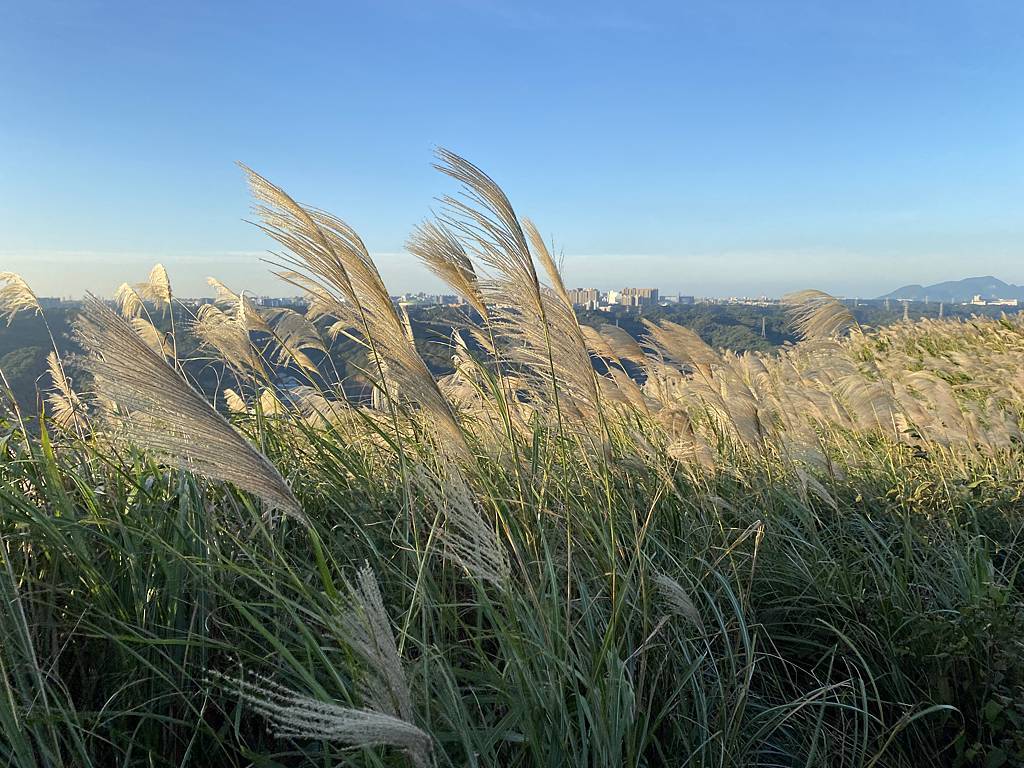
[732, 147]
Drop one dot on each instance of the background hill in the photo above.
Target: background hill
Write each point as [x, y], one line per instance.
[959, 290]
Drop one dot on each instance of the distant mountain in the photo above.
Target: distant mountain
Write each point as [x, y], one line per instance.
[987, 287]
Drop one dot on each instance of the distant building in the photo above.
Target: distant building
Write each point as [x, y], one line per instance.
[281, 301]
[638, 297]
[978, 301]
[685, 300]
[612, 297]
[588, 298]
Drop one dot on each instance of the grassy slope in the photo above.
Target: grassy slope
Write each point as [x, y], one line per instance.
[827, 637]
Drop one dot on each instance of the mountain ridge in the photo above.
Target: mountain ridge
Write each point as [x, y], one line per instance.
[987, 286]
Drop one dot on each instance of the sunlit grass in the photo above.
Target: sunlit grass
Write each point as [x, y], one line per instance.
[810, 558]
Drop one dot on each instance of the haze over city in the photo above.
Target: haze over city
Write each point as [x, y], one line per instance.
[713, 149]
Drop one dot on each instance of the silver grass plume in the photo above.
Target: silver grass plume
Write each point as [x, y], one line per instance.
[622, 345]
[292, 715]
[444, 254]
[16, 296]
[818, 315]
[547, 261]
[466, 537]
[163, 414]
[680, 343]
[129, 301]
[229, 335]
[234, 401]
[534, 323]
[66, 408]
[158, 288]
[153, 336]
[366, 628]
[332, 255]
[292, 336]
[239, 306]
[486, 217]
[677, 599]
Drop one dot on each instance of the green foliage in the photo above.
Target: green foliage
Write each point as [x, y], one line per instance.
[873, 634]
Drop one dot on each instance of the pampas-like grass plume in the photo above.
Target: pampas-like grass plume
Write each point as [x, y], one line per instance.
[163, 414]
[292, 715]
[536, 324]
[443, 253]
[678, 600]
[326, 250]
[66, 409]
[153, 336]
[129, 301]
[229, 335]
[818, 315]
[158, 288]
[466, 537]
[16, 296]
[367, 630]
[293, 335]
[239, 306]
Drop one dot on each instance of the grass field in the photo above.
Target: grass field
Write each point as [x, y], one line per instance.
[578, 549]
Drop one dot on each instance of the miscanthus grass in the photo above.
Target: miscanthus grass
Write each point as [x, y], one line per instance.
[579, 548]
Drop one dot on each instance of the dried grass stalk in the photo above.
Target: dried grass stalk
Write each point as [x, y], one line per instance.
[66, 408]
[163, 414]
[293, 715]
[818, 315]
[16, 296]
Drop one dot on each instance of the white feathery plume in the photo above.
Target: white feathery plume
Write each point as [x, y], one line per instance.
[624, 346]
[270, 403]
[234, 401]
[330, 253]
[66, 407]
[818, 315]
[293, 334]
[149, 333]
[465, 535]
[547, 261]
[129, 301]
[444, 254]
[535, 324]
[292, 715]
[366, 627]
[163, 414]
[315, 408]
[229, 335]
[239, 306]
[16, 296]
[680, 343]
[158, 288]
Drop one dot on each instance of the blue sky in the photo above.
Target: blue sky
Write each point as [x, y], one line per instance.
[708, 148]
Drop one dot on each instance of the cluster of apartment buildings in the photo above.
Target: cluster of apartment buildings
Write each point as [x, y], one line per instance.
[592, 298]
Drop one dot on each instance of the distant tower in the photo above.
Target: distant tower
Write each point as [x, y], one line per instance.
[926, 300]
[764, 335]
[886, 303]
[941, 307]
[906, 311]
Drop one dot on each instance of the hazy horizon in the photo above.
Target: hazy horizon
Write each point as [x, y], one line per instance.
[717, 149]
[101, 274]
